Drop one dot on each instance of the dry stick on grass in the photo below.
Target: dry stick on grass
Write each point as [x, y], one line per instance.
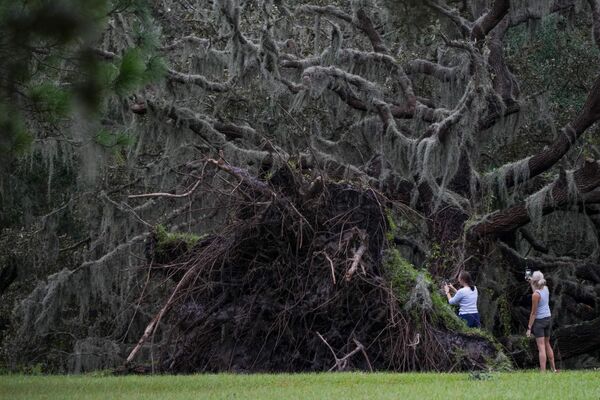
[362, 349]
[342, 363]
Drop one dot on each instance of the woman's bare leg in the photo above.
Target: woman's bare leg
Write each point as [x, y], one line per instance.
[549, 353]
[541, 345]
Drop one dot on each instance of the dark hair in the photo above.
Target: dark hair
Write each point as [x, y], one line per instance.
[466, 278]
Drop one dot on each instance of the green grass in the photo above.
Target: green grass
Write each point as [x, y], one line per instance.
[516, 385]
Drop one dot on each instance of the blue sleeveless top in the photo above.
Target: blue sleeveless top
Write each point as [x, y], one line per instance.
[543, 308]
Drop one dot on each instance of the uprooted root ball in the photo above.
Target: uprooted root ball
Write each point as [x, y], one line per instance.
[301, 279]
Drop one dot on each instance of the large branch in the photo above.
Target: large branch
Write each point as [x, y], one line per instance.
[595, 6]
[329, 10]
[491, 119]
[443, 73]
[198, 80]
[586, 179]
[548, 157]
[583, 269]
[200, 42]
[533, 242]
[454, 15]
[198, 123]
[573, 340]
[442, 128]
[339, 81]
[243, 176]
[312, 67]
[364, 24]
[502, 79]
[217, 134]
[405, 111]
[482, 26]
[489, 20]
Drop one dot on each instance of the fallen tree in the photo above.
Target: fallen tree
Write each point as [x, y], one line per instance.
[360, 153]
[295, 252]
[303, 279]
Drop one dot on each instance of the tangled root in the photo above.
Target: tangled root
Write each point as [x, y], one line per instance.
[296, 281]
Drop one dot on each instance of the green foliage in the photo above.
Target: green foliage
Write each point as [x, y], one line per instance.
[110, 139]
[137, 69]
[131, 72]
[439, 260]
[392, 226]
[51, 100]
[145, 33]
[137, 7]
[156, 69]
[34, 370]
[505, 317]
[166, 238]
[401, 273]
[46, 61]
[403, 277]
[14, 138]
[558, 59]
[445, 315]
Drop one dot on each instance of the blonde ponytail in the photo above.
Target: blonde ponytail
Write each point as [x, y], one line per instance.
[537, 280]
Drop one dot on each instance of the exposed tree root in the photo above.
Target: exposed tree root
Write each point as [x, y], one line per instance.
[265, 293]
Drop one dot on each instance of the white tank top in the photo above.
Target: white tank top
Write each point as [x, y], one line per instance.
[543, 308]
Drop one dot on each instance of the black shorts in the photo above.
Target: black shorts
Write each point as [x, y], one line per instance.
[541, 327]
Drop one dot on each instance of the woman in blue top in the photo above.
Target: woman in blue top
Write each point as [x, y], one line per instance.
[539, 319]
[466, 298]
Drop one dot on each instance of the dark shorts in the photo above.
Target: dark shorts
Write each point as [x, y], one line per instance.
[541, 327]
[472, 320]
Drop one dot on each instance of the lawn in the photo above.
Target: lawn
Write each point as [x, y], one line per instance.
[515, 385]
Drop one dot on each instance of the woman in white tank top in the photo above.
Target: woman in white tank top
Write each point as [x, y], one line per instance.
[539, 320]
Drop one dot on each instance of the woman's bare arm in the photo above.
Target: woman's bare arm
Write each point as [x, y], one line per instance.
[535, 299]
